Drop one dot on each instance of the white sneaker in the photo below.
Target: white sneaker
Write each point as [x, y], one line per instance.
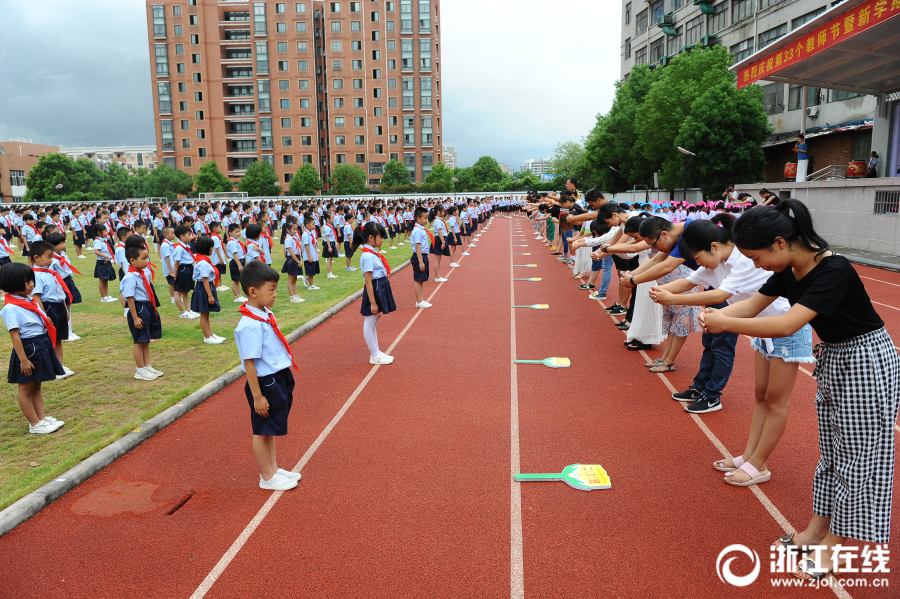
[331, 276]
[393, 247]
[277, 483]
[213, 340]
[471, 245]
[68, 372]
[353, 268]
[142, 374]
[341, 255]
[192, 315]
[82, 257]
[296, 299]
[441, 280]
[43, 427]
[289, 475]
[384, 356]
[423, 304]
[185, 315]
[73, 337]
[171, 300]
[53, 420]
[222, 288]
[314, 287]
[399, 243]
[125, 315]
[240, 299]
[466, 253]
[152, 370]
[305, 282]
[220, 337]
[454, 265]
[381, 359]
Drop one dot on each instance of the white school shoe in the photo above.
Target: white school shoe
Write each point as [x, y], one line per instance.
[289, 475]
[126, 313]
[82, 257]
[305, 282]
[314, 287]
[171, 300]
[471, 245]
[466, 254]
[240, 299]
[331, 276]
[220, 337]
[53, 420]
[384, 356]
[296, 299]
[381, 359]
[382, 251]
[423, 304]
[213, 340]
[152, 370]
[441, 280]
[192, 315]
[222, 288]
[400, 243]
[43, 427]
[142, 374]
[341, 255]
[73, 337]
[277, 483]
[454, 265]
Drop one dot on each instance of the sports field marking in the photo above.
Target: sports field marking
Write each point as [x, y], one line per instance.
[885, 305]
[879, 280]
[242, 539]
[517, 564]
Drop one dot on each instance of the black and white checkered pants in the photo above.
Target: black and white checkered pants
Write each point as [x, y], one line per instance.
[857, 398]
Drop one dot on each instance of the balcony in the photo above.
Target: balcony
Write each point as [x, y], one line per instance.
[236, 35]
[232, 73]
[235, 17]
[238, 110]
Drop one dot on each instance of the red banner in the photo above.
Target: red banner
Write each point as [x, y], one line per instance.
[832, 33]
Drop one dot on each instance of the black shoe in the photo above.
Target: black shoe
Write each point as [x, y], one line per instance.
[632, 346]
[690, 395]
[586, 286]
[601, 296]
[704, 405]
[613, 307]
[618, 311]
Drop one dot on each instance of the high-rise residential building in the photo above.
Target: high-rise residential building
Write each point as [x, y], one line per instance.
[129, 157]
[536, 167]
[449, 157]
[326, 83]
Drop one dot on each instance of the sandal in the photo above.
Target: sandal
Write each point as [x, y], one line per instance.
[756, 477]
[809, 567]
[653, 363]
[662, 367]
[721, 467]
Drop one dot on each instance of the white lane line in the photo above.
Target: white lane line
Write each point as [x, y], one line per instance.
[879, 280]
[242, 539]
[885, 305]
[517, 563]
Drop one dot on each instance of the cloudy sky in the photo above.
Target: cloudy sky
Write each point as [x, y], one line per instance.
[518, 76]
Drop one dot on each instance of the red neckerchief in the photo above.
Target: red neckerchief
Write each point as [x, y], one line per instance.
[267, 234]
[35, 229]
[150, 295]
[112, 253]
[205, 228]
[60, 226]
[430, 234]
[384, 261]
[262, 254]
[271, 321]
[202, 258]
[59, 280]
[333, 230]
[28, 304]
[65, 261]
[149, 264]
[7, 248]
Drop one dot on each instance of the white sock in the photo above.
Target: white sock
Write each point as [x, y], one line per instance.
[70, 327]
[370, 334]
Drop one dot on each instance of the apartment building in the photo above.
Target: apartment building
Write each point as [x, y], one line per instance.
[536, 167]
[129, 157]
[449, 157]
[17, 156]
[655, 32]
[325, 83]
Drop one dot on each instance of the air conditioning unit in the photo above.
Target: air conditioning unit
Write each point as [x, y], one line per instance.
[812, 112]
[667, 19]
[708, 41]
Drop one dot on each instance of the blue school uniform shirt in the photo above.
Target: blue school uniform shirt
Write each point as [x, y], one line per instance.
[120, 254]
[348, 233]
[292, 242]
[254, 250]
[439, 227]
[3, 252]
[29, 324]
[234, 247]
[217, 245]
[267, 251]
[258, 341]
[61, 269]
[310, 251]
[46, 286]
[132, 285]
[30, 235]
[204, 269]
[689, 262]
[182, 255]
[454, 224]
[101, 246]
[328, 236]
[420, 236]
[167, 250]
[372, 263]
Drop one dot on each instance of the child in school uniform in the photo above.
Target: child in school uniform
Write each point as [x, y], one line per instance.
[219, 260]
[33, 335]
[237, 253]
[453, 237]
[254, 249]
[184, 270]
[420, 239]
[392, 226]
[205, 299]
[349, 228]
[329, 242]
[440, 241]
[377, 298]
[166, 253]
[50, 294]
[103, 268]
[121, 234]
[144, 321]
[266, 359]
[310, 252]
[62, 266]
[293, 265]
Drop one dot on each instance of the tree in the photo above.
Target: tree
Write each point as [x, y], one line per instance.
[165, 181]
[210, 179]
[259, 180]
[485, 171]
[306, 181]
[725, 128]
[440, 179]
[347, 179]
[138, 178]
[50, 171]
[568, 159]
[395, 174]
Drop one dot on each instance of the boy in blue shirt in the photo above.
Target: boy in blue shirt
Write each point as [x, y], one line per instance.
[143, 315]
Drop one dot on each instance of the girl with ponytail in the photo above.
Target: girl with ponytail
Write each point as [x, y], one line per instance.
[857, 374]
[439, 227]
[377, 298]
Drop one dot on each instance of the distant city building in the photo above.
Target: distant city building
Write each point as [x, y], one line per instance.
[16, 159]
[504, 167]
[536, 167]
[450, 157]
[129, 157]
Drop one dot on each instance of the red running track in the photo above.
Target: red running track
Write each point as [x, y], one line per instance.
[410, 492]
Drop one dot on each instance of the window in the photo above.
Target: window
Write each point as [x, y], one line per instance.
[375, 16]
[170, 161]
[640, 56]
[376, 36]
[340, 140]
[280, 8]
[767, 3]
[742, 50]
[303, 84]
[341, 158]
[356, 46]
[628, 13]
[719, 19]
[427, 131]
[285, 104]
[693, 31]
[17, 178]
[357, 102]
[774, 100]
[389, 26]
[641, 23]
[360, 159]
[357, 84]
[389, 6]
[424, 16]
[194, 20]
[162, 60]
[392, 83]
[198, 115]
[280, 27]
[767, 37]
[335, 26]
[198, 78]
[165, 98]
[391, 64]
[425, 55]
[282, 46]
[674, 42]
[302, 65]
[286, 123]
[741, 9]
[355, 25]
[656, 50]
[802, 20]
[299, 7]
[337, 65]
[201, 152]
[376, 73]
[187, 161]
[185, 125]
[627, 47]
[180, 68]
[376, 54]
[186, 144]
[337, 83]
[336, 45]
[306, 140]
[425, 92]
[305, 122]
[259, 18]
[195, 59]
[195, 39]
[837, 95]
[795, 98]
[284, 85]
[288, 159]
[304, 103]
[177, 30]
[391, 45]
[198, 96]
[657, 9]
[182, 106]
[376, 93]
[377, 111]
[301, 46]
[355, 6]
[168, 136]
[338, 102]
[359, 121]
[338, 121]
[392, 121]
[301, 27]
[179, 48]
[409, 159]
[379, 130]
[360, 140]
[159, 20]
[335, 7]
[262, 89]
[392, 102]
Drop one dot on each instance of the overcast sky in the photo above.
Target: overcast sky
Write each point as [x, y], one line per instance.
[518, 76]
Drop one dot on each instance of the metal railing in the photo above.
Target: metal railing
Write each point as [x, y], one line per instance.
[829, 173]
[887, 203]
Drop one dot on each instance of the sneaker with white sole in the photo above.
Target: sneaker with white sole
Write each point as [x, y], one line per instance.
[314, 287]
[423, 305]
[296, 299]
[381, 359]
[125, 315]
[192, 315]
[382, 251]
[82, 257]
[400, 243]
[222, 288]
[142, 374]
[185, 315]
[43, 427]
[289, 475]
[220, 337]
[152, 370]
[277, 483]
[240, 299]
[341, 255]
[465, 254]
[441, 280]
[393, 247]
[454, 265]
[704, 405]
[73, 337]
[53, 420]
[171, 300]
[213, 340]
[331, 276]
[353, 268]
[305, 282]
[384, 356]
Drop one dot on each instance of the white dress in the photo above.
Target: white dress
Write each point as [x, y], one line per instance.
[646, 325]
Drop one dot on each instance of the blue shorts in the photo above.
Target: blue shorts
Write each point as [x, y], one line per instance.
[278, 389]
[152, 323]
[795, 348]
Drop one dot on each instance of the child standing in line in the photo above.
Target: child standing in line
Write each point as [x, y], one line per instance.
[31, 234]
[218, 254]
[76, 224]
[377, 298]
[6, 251]
[33, 335]
[329, 242]
[144, 322]
[293, 266]
[50, 294]
[453, 240]
[64, 268]
[440, 247]
[349, 226]
[103, 268]
[310, 252]
[392, 225]
[420, 239]
[205, 299]
[121, 234]
[166, 252]
[266, 359]
[237, 252]
[254, 249]
[184, 270]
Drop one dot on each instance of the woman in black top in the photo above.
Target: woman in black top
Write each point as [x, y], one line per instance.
[857, 374]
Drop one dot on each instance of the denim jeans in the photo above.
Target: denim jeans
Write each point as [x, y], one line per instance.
[565, 238]
[607, 274]
[716, 363]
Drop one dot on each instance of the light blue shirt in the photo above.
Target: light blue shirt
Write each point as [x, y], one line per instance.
[120, 255]
[372, 263]
[258, 341]
[310, 251]
[101, 246]
[348, 233]
[264, 244]
[439, 227]
[131, 285]
[29, 323]
[182, 255]
[420, 236]
[204, 269]
[217, 245]
[254, 250]
[166, 250]
[234, 247]
[48, 288]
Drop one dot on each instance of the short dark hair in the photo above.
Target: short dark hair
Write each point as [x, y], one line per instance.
[204, 245]
[254, 231]
[39, 248]
[15, 276]
[181, 231]
[133, 252]
[55, 239]
[255, 274]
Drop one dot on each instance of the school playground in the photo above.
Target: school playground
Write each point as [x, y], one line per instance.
[408, 488]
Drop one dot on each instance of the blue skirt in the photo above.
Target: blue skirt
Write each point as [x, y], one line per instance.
[152, 322]
[40, 352]
[76, 295]
[384, 298]
[278, 389]
[104, 270]
[200, 301]
[329, 250]
[440, 248]
[292, 268]
[5, 260]
[184, 280]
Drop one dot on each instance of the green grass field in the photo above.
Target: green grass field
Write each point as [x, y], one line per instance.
[103, 401]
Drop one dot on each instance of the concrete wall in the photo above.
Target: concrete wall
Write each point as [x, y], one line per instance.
[630, 197]
[843, 211]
